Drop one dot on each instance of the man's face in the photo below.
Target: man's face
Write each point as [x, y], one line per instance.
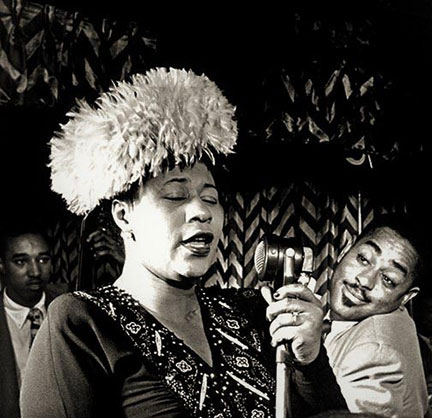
[374, 277]
[26, 266]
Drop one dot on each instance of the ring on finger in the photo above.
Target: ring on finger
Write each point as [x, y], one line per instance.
[295, 315]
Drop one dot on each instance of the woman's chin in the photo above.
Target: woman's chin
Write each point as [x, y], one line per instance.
[195, 267]
[193, 271]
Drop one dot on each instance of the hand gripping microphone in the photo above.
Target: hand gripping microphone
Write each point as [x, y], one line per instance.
[282, 261]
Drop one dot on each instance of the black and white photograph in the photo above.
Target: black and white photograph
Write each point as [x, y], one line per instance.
[215, 210]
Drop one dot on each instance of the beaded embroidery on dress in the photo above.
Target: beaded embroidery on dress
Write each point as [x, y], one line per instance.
[242, 385]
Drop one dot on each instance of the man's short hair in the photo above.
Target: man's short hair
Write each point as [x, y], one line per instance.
[18, 228]
[410, 229]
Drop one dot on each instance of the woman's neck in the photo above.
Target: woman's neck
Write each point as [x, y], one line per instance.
[161, 297]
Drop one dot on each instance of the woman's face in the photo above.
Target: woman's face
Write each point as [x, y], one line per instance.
[177, 221]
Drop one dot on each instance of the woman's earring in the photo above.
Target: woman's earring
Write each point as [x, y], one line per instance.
[127, 235]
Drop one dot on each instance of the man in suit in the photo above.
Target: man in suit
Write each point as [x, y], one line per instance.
[422, 314]
[25, 268]
[372, 346]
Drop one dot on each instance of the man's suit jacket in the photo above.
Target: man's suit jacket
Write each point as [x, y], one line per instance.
[378, 366]
[9, 390]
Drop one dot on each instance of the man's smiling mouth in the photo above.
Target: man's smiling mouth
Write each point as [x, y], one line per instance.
[352, 295]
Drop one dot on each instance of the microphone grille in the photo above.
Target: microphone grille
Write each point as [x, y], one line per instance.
[259, 257]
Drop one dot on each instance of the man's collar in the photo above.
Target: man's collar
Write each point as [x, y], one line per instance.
[336, 327]
[18, 312]
[340, 326]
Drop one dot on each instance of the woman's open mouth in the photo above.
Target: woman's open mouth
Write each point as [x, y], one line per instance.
[199, 244]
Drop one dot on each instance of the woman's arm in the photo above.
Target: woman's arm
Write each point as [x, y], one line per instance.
[316, 388]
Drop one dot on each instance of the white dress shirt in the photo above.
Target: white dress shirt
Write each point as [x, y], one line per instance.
[19, 329]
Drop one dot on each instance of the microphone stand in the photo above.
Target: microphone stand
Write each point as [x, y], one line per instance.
[283, 375]
[79, 281]
[283, 358]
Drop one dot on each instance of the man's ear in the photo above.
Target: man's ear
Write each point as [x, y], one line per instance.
[2, 266]
[412, 293]
[120, 212]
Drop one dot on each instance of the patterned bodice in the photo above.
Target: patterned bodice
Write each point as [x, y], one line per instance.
[241, 381]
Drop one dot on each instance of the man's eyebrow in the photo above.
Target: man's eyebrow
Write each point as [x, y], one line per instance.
[374, 245]
[396, 264]
[20, 255]
[400, 267]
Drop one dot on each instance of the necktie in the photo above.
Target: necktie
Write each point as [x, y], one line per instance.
[35, 318]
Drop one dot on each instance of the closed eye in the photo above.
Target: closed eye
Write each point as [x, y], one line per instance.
[210, 199]
[175, 198]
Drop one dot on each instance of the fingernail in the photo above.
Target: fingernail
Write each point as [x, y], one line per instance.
[276, 295]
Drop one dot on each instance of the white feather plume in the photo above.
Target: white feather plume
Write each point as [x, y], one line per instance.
[132, 130]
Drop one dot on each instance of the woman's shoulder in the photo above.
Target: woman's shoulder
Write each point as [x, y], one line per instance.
[75, 307]
[66, 303]
[86, 317]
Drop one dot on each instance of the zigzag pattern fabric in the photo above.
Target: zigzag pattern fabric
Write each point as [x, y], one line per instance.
[64, 235]
[300, 210]
[48, 55]
[323, 223]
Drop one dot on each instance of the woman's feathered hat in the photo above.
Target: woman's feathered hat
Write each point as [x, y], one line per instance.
[133, 130]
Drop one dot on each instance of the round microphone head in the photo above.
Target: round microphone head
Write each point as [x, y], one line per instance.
[267, 258]
[270, 255]
[260, 257]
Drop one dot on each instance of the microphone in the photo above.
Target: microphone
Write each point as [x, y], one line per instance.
[283, 261]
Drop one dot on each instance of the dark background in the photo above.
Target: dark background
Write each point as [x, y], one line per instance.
[237, 48]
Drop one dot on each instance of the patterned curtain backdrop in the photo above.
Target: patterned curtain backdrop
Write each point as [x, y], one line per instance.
[64, 235]
[48, 55]
[322, 222]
